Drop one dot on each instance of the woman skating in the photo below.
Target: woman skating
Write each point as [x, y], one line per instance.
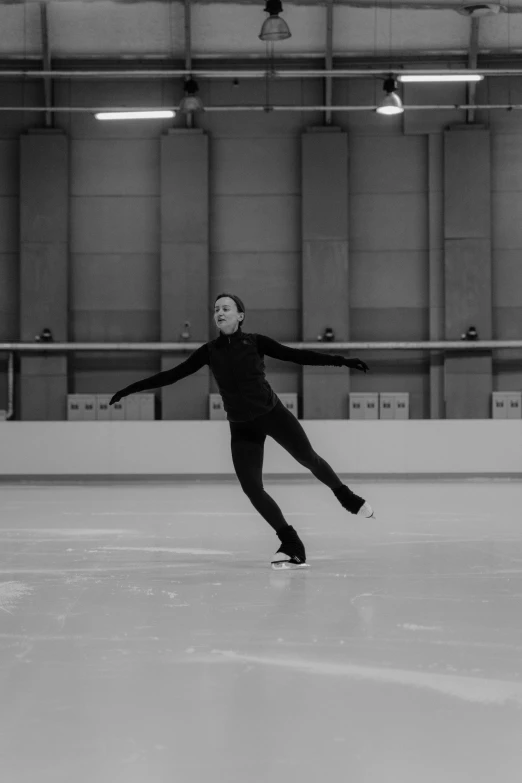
[254, 411]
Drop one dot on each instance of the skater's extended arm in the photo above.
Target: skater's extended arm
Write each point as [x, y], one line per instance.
[276, 350]
[272, 348]
[191, 365]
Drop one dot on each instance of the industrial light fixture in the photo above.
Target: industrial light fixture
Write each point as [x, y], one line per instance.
[477, 9]
[274, 28]
[191, 101]
[391, 104]
[441, 77]
[133, 115]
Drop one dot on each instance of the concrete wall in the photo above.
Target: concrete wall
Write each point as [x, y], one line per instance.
[255, 230]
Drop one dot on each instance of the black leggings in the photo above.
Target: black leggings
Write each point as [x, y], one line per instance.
[248, 441]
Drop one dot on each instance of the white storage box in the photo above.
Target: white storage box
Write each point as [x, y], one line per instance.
[106, 412]
[386, 406]
[81, 407]
[139, 407]
[515, 405]
[507, 405]
[215, 407]
[364, 406]
[394, 405]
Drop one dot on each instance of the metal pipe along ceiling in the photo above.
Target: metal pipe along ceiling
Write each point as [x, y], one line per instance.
[257, 74]
[267, 110]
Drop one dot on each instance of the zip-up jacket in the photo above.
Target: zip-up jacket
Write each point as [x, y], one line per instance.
[237, 364]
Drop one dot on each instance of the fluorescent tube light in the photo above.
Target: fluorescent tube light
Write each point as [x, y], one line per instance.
[133, 115]
[436, 77]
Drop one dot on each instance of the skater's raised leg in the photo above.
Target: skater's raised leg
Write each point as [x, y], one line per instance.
[286, 430]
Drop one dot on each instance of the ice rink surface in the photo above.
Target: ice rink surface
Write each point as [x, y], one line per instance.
[144, 637]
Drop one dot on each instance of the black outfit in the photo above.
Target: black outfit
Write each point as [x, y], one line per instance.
[255, 411]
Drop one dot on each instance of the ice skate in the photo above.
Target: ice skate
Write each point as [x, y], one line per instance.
[366, 511]
[291, 553]
[353, 503]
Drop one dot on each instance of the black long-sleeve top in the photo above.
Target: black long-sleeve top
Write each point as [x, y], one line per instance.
[237, 364]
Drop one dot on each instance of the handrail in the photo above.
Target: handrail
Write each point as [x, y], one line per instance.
[446, 345]
[52, 347]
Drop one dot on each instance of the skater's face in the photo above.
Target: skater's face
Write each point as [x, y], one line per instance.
[226, 309]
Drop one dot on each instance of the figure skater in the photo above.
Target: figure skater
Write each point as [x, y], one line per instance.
[255, 411]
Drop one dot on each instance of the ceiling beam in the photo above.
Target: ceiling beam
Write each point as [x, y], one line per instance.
[472, 63]
[329, 60]
[440, 57]
[189, 117]
[46, 58]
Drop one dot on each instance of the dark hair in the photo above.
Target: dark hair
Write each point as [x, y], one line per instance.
[237, 300]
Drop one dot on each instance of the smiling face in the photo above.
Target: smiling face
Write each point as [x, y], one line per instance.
[226, 309]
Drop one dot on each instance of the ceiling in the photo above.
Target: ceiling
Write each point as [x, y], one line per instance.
[126, 30]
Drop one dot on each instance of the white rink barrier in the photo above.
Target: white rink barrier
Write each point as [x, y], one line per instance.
[202, 448]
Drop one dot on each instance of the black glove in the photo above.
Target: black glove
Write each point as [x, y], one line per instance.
[117, 397]
[356, 364]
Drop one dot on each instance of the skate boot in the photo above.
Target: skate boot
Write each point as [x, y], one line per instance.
[291, 553]
[353, 503]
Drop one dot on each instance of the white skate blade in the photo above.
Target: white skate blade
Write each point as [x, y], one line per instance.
[286, 565]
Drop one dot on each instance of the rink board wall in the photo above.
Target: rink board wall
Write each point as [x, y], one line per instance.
[202, 448]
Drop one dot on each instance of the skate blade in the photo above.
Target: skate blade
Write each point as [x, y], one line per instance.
[286, 566]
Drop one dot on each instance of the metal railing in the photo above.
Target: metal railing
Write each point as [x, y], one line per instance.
[182, 347]
[186, 347]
